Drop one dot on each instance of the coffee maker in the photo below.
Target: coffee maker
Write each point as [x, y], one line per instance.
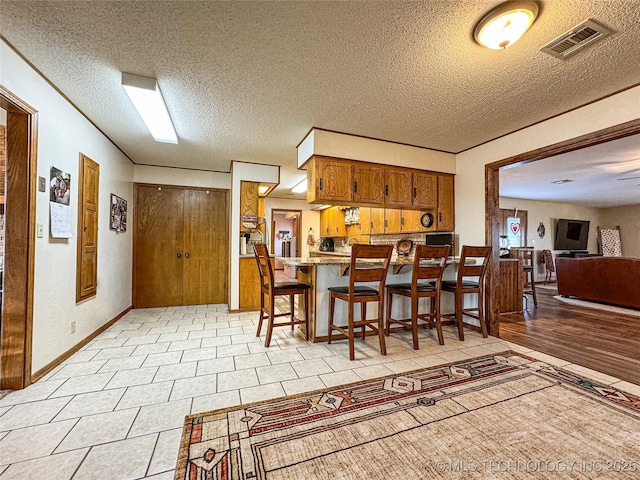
[326, 245]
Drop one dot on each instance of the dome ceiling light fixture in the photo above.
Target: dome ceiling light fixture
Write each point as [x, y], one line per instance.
[503, 25]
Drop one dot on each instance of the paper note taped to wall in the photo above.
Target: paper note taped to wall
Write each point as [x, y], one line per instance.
[60, 220]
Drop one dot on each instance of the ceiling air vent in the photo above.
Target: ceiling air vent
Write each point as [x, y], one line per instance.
[575, 39]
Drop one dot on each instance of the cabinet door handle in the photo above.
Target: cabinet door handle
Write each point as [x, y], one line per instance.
[321, 184]
[186, 255]
[415, 192]
[179, 255]
[386, 190]
[439, 216]
[355, 187]
[401, 220]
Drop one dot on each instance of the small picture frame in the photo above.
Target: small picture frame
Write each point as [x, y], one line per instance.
[118, 217]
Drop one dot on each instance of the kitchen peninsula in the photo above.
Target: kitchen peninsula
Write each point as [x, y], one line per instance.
[324, 272]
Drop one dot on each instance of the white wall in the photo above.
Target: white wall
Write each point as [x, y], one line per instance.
[181, 176]
[470, 182]
[250, 172]
[62, 134]
[548, 213]
[333, 144]
[628, 219]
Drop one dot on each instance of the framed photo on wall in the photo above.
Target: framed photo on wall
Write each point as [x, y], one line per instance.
[118, 219]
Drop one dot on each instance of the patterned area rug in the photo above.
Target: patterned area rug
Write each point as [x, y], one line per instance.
[501, 416]
[598, 306]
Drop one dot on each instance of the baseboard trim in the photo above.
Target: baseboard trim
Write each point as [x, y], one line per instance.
[245, 310]
[61, 358]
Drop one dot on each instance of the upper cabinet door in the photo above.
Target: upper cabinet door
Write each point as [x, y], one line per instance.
[425, 190]
[368, 183]
[331, 180]
[397, 189]
[446, 207]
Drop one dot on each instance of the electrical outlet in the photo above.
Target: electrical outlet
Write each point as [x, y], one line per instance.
[73, 327]
[39, 230]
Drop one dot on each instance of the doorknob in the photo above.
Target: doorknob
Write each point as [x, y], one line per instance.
[186, 255]
[179, 255]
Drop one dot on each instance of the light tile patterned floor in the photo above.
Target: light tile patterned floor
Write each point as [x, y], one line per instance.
[115, 409]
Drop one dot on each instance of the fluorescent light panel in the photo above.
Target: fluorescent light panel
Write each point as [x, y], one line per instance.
[300, 187]
[145, 95]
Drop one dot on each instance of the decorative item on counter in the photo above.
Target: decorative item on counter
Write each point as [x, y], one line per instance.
[403, 247]
[243, 245]
[504, 246]
[541, 230]
[310, 237]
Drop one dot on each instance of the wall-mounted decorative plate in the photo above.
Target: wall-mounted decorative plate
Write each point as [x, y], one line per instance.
[403, 247]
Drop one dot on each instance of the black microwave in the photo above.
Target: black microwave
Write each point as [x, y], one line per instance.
[440, 238]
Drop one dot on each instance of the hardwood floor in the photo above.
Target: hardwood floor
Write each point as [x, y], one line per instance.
[597, 339]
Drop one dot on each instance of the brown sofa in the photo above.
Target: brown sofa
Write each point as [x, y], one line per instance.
[614, 280]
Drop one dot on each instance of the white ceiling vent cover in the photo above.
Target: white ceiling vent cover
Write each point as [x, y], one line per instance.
[575, 39]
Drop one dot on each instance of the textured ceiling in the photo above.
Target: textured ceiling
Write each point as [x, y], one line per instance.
[247, 80]
[605, 175]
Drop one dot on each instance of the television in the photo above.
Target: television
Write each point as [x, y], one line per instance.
[572, 234]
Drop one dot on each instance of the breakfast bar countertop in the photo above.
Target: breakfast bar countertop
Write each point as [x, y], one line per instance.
[345, 260]
[396, 260]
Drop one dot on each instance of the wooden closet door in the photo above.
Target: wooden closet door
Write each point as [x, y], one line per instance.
[205, 247]
[159, 254]
[87, 256]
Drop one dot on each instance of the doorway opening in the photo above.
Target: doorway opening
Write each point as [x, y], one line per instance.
[286, 239]
[492, 196]
[19, 202]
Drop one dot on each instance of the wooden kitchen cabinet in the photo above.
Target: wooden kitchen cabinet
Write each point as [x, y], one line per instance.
[249, 201]
[446, 206]
[377, 221]
[392, 220]
[329, 179]
[368, 183]
[425, 189]
[398, 183]
[332, 223]
[412, 221]
[349, 182]
[362, 228]
[250, 281]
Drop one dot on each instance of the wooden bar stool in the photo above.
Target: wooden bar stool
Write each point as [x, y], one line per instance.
[367, 271]
[526, 255]
[471, 272]
[428, 264]
[270, 289]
